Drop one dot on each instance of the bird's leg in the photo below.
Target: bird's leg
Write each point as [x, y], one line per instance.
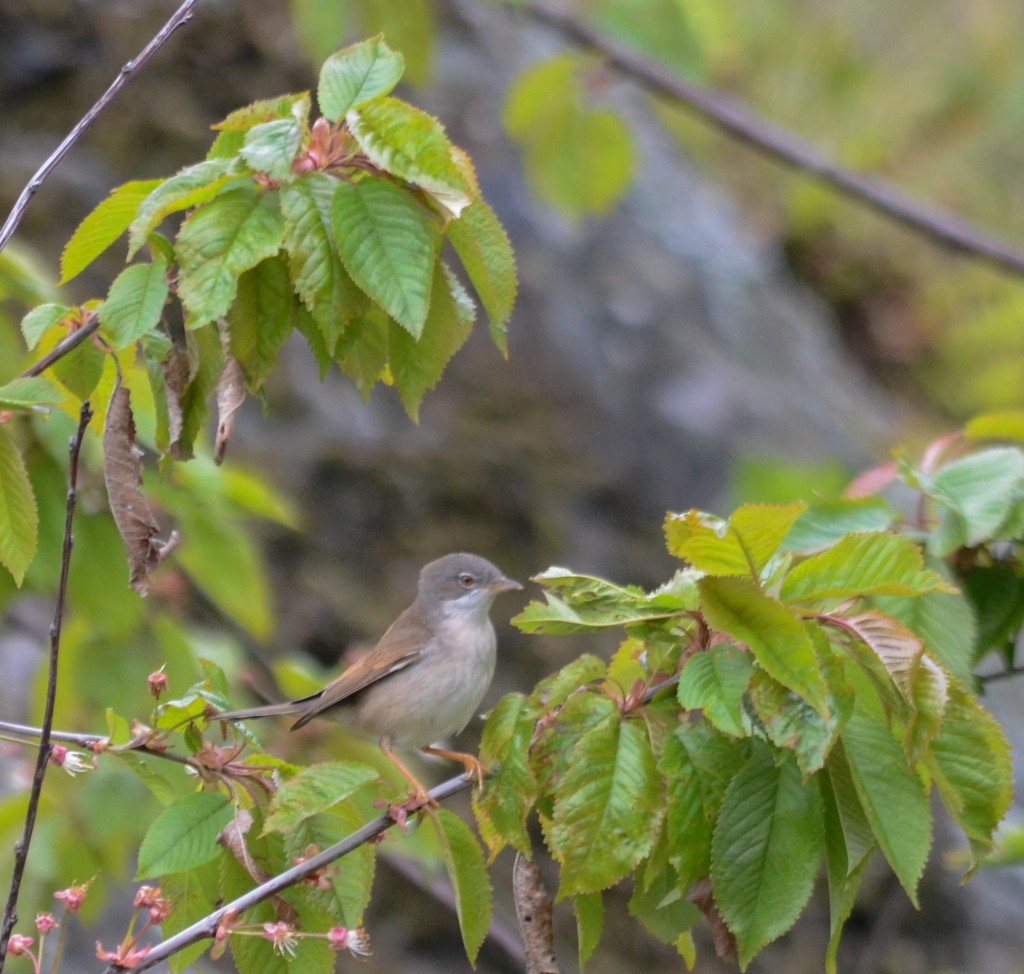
[474, 769]
[419, 797]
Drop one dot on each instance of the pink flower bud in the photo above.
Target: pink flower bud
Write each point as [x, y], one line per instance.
[157, 682]
[45, 922]
[19, 945]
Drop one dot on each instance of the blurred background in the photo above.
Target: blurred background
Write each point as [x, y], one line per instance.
[697, 327]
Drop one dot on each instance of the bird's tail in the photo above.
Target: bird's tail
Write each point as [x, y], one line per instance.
[268, 710]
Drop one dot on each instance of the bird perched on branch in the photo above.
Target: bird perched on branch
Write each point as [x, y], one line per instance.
[425, 678]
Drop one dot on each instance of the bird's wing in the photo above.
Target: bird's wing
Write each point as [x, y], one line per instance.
[400, 646]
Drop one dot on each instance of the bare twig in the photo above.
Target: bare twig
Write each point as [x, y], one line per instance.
[91, 741]
[180, 17]
[68, 345]
[207, 926]
[731, 116]
[21, 847]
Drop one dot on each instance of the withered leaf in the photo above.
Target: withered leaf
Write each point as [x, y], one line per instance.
[122, 471]
[230, 396]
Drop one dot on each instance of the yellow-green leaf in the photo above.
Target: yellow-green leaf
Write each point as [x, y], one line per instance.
[19, 518]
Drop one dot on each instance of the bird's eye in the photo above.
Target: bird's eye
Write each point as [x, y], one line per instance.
[466, 580]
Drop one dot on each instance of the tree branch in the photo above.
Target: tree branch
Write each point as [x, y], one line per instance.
[21, 847]
[65, 347]
[734, 118]
[207, 926]
[180, 17]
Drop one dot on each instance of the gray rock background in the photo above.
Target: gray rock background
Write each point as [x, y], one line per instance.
[649, 352]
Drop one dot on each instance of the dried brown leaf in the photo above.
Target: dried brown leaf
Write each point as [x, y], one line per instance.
[230, 396]
[177, 369]
[702, 895]
[122, 470]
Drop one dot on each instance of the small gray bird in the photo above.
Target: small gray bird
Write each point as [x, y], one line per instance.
[426, 677]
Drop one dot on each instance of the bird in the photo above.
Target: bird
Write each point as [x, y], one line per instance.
[426, 676]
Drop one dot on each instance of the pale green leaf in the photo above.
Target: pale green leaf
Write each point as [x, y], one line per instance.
[30, 391]
[219, 241]
[19, 517]
[242, 119]
[389, 246]
[766, 851]
[485, 251]
[417, 364]
[775, 636]
[540, 97]
[362, 352]
[356, 74]
[135, 302]
[314, 789]
[608, 808]
[871, 563]
[715, 682]
[190, 187]
[39, 321]
[892, 797]
[822, 524]
[103, 226]
[588, 909]
[270, 147]
[1007, 425]
[184, 834]
[467, 871]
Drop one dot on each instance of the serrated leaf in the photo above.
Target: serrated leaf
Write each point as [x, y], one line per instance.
[135, 302]
[891, 795]
[261, 318]
[39, 321]
[80, 370]
[389, 246]
[464, 860]
[219, 241]
[30, 391]
[412, 145]
[715, 681]
[608, 807]
[740, 546]
[184, 834]
[775, 636]
[320, 279]
[314, 789]
[356, 74]
[873, 563]
[417, 364]
[485, 251]
[19, 517]
[971, 765]
[189, 187]
[766, 850]
[996, 593]
[103, 226]
[588, 909]
[266, 110]
[272, 146]
[822, 524]
[362, 353]
[660, 904]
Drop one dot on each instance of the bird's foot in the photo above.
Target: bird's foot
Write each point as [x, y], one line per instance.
[475, 771]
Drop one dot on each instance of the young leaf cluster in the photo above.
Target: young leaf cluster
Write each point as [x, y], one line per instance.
[790, 699]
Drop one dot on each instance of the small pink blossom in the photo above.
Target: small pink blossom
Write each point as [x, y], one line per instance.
[125, 956]
[157, 682]
[45, 922]
[18, 945]
[282, 936]
[150, 898]
[73, 897]
[356, 941]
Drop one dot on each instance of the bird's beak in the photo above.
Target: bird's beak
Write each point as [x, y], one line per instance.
[504, 585]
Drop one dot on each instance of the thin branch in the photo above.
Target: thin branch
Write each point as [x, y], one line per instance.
[68, 345]
[21, 847]
[1001, 674]
[734, 118]
[206, 927]
[180, 17]
[91, 740]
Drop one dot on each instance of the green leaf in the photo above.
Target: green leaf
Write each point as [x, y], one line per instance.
[261, 319]
[485, 251]
[219, 241]
[540, 96]
[891, 795]
[135, 302]
[362, 353]
[356, 74]
[1008, 425]
[510, 790]
[39, 321]
[190, 187]
[272, 146]
[389, 246]
[775, 636]
[184, 835]
[195, 895]
[660, 903]
[715, 681]
[766, 851]
[412, 145]
[30, 391]
[314, 789]
[741, 546]
[103, 226]
[608, 808]
[589, 911]
[874, 563]
[996, 593]
[417, 364]
[266, 110]
[80, 370]
[973, 771]
[19, 517]
[823, 524]
[320, 279]
[464, 860]
[409, 27]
